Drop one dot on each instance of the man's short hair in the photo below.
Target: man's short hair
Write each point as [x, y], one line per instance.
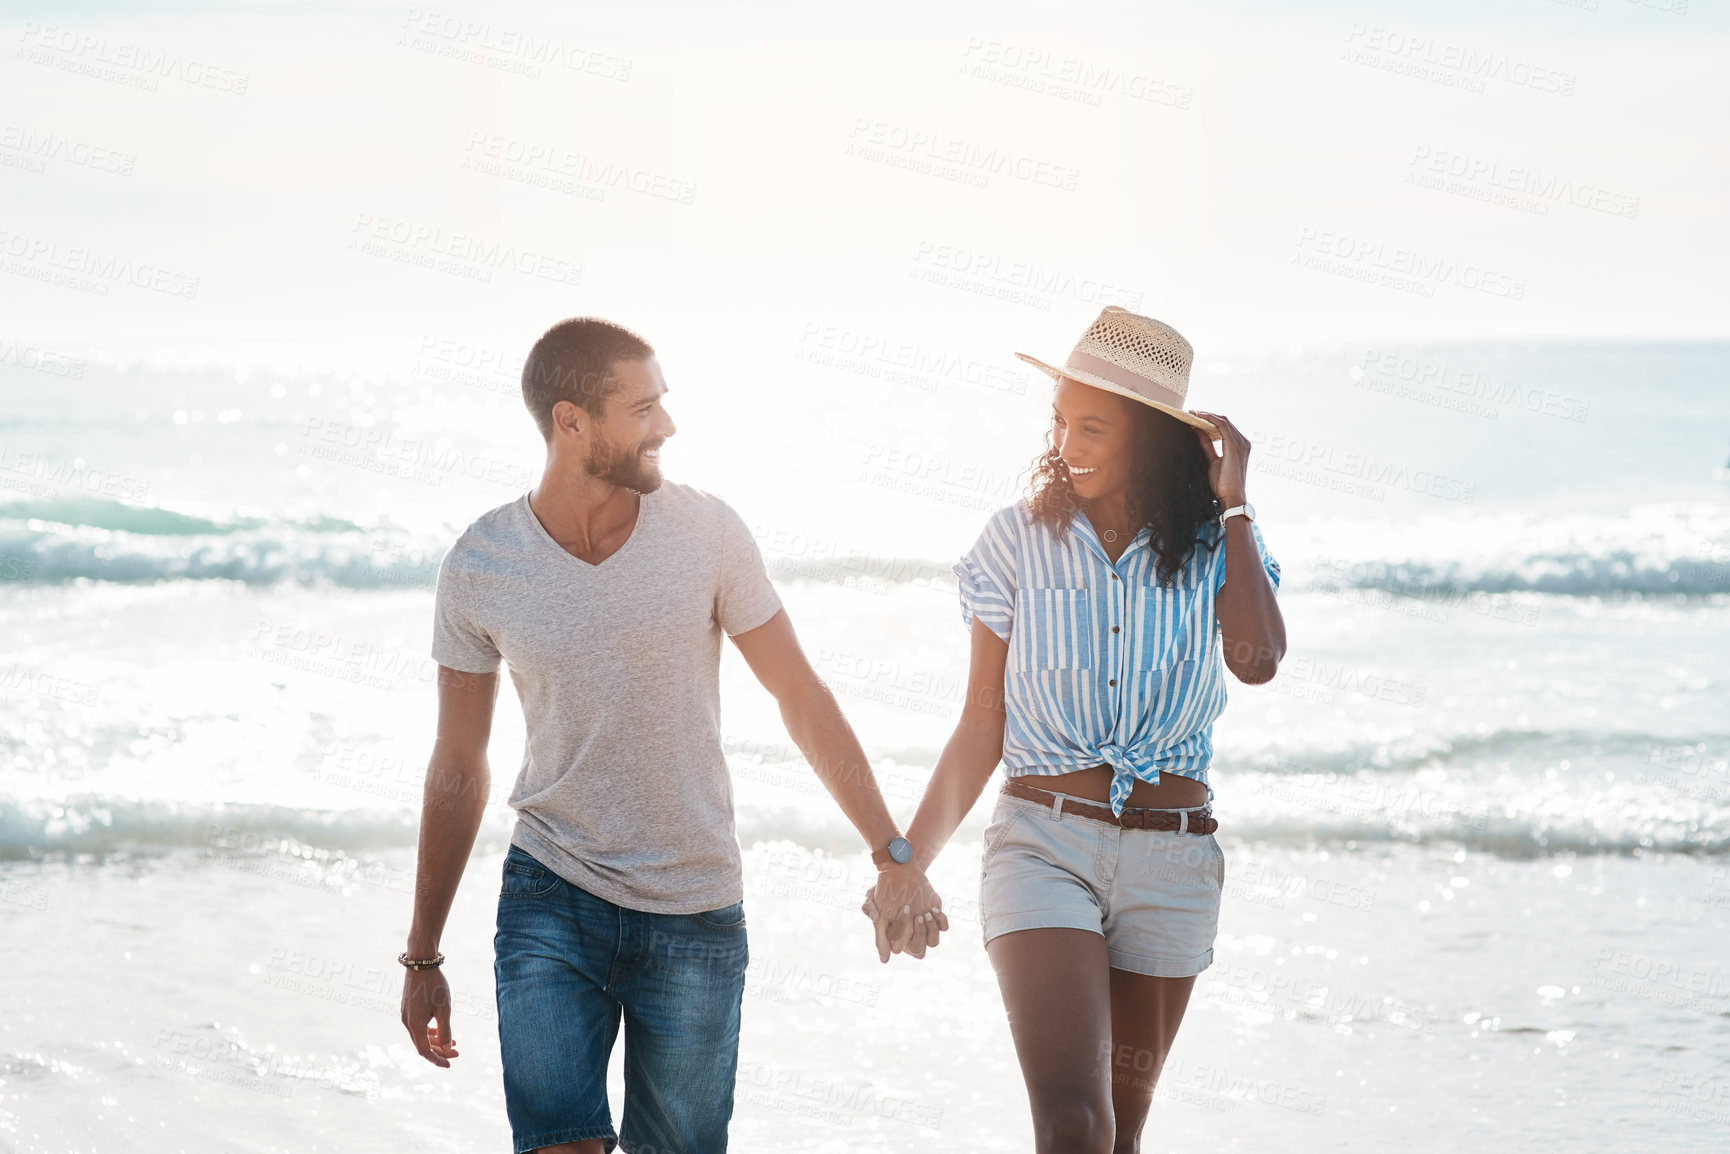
[573, 361]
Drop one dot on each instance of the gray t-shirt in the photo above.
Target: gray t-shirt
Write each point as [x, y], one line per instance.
[624, 790]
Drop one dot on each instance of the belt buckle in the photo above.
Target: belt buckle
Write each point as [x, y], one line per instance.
[1120, 824]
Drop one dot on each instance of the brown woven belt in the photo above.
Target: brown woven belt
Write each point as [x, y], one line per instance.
[1196, 821]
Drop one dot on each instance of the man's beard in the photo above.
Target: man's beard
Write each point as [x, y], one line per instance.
[624, 467]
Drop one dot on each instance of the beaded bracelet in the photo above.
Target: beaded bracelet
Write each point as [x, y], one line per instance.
[431, 963]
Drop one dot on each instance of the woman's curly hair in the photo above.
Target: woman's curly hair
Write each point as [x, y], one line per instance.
[1169, 492]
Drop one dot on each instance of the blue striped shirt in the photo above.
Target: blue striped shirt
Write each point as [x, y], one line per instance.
[1105, 664]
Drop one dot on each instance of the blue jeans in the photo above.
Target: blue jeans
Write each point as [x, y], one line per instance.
[567, 964]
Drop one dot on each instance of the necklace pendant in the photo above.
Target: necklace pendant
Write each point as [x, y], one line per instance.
[1110, 535]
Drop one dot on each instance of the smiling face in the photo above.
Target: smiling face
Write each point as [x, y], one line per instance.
[1093, 432]
[625, 445]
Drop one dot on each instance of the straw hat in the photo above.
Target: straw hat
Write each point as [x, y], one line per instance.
[1135, 357]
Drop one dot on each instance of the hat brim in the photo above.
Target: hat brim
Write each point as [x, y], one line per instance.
[1099, 382]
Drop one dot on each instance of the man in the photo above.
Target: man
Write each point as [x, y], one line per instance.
[606, 591]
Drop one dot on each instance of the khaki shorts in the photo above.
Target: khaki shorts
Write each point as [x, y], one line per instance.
[1152, 894]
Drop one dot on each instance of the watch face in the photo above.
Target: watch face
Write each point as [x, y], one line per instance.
[901, 850]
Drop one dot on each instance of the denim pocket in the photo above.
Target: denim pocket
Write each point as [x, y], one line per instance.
[726, 918]
[524, 877]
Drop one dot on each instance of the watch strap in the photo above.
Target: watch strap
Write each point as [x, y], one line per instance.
[1245, 510]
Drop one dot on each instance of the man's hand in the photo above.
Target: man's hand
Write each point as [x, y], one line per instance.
[426, 997]
[907, 913]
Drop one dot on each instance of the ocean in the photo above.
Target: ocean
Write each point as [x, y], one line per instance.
[1477, 831]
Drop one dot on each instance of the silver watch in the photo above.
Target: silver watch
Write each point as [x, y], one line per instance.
[1246, 509]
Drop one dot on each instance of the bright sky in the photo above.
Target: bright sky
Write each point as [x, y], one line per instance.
[1527, 169]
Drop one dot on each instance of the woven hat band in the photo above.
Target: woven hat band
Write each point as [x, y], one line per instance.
[1123, 378]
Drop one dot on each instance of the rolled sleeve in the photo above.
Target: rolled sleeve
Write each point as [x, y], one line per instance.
[986, 576]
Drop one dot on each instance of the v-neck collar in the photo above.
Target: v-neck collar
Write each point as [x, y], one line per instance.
[645, 507]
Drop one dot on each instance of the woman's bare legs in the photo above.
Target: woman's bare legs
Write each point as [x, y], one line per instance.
[1057, 990]
[1145, 1015]
[1091, 1040]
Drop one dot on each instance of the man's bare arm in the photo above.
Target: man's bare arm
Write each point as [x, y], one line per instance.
[816, 725]
[455, 798]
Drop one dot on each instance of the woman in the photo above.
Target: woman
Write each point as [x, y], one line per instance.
[1095, 679]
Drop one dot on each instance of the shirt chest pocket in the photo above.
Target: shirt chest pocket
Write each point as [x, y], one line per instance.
[1053, 630]
[1171, 624]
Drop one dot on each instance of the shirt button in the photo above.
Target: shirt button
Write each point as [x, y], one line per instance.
[1114, 576]
[1114, 629]
[1114, 682]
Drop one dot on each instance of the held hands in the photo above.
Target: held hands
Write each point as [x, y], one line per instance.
[1228, 464]
[907, 913]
